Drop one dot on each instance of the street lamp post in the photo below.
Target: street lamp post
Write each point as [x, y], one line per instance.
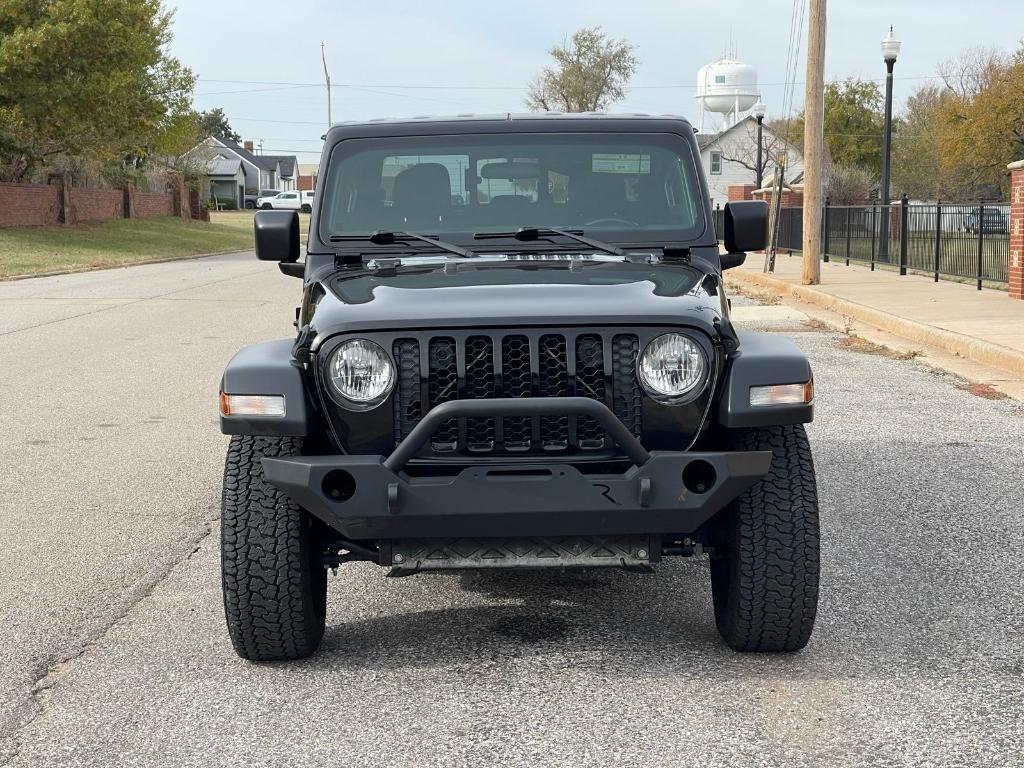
[759, 110]
[890, 50]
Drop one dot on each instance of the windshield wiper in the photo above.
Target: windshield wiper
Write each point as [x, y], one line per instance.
[390, 238]
[528, 234]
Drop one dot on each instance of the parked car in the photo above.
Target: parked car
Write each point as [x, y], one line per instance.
[547, 377]
[307, 201]
[992, 222]
[282, 201]
[250, 200]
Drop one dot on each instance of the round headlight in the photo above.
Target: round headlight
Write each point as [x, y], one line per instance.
[361, 373]
[671, 367]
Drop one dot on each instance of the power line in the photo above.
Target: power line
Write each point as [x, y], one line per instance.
[287, 138]
[284, 85]
[278, 122]
[253, 90]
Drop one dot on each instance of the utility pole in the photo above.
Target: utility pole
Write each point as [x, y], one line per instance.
[814, 142]
[327, 78]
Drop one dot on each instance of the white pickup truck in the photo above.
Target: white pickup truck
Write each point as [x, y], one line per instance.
[287, 201]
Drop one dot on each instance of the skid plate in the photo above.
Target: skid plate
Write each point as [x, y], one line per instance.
[522, 552]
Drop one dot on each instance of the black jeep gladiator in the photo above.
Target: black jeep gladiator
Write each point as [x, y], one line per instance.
[514, 350]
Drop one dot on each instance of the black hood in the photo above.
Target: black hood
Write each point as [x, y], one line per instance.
[510, 295]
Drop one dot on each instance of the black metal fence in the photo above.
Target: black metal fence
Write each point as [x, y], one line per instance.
[963, 241]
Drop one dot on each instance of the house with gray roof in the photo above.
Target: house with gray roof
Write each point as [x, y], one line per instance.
[258, 171]
[276, 171]
[225, 180]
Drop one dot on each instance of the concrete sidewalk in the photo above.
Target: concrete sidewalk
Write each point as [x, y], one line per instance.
[984, 326]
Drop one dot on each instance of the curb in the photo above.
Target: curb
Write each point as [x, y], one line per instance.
[158, 260]
[955, 343]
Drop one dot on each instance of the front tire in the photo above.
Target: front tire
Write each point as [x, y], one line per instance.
[266, 206]
[275, 585]
[764, 575]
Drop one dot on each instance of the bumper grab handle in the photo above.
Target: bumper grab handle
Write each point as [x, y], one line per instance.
[517, 406]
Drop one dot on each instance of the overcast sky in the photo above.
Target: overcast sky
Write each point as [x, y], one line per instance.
[477, 56]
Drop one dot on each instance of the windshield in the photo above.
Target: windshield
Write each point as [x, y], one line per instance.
[625, 188]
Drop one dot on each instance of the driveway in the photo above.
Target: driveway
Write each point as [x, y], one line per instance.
[114, 652]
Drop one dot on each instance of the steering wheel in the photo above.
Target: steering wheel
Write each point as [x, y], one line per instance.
[595, 222]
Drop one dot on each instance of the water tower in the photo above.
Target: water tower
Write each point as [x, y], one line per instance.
[726, 87]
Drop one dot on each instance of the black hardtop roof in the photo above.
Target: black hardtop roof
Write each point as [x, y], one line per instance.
[545, 122]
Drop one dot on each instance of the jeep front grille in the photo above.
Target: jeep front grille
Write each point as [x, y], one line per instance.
[437, 367]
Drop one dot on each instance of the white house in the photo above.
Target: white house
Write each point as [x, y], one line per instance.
[730, 158]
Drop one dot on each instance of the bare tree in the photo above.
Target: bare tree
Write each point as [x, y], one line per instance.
[848, 184]
[589, 72]
[744, 152]
[973, 70]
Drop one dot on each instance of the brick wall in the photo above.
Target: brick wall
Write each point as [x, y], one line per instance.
[39, 205]
[791, 198]
[29, 205]
[1016, 264]
[97, 204]
[153, 205]
[741, 192]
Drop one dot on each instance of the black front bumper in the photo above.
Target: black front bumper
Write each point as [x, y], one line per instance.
[370, 497]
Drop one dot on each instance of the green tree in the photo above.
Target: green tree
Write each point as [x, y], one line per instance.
[853, 124]
[88, 79]
[917, 164]
[215, 123]
[589, 73]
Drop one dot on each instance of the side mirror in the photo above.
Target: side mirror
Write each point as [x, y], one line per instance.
[746, 229]
[277, 235]
[730, 260]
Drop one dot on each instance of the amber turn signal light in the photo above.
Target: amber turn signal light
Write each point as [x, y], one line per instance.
[251, 405]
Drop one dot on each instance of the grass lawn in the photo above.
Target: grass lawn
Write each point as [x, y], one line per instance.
[119, 242]
[242, 221]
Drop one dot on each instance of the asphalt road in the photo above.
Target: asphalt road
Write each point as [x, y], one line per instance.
[113, 650]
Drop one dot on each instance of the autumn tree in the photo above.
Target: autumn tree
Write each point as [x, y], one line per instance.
[86, 79]
[981, 125]
[853, 124]
[588, 73]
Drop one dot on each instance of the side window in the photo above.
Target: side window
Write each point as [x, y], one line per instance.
[719, 79]
[716, 163]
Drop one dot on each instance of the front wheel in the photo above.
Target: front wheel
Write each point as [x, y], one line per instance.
[275, 584]
[266, 206]
[764, 573]
[307, 209]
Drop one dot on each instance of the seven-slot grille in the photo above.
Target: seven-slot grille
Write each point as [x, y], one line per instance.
[437, 368]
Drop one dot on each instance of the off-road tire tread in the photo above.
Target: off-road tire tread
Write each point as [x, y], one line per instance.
[274, 594]
[766, 584]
